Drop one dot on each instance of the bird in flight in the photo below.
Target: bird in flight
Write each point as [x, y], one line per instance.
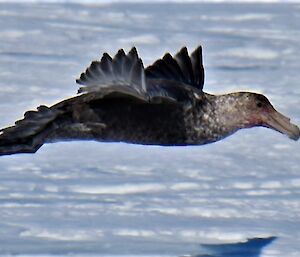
[163, 104]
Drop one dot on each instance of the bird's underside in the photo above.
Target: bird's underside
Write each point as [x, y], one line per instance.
[164, 104]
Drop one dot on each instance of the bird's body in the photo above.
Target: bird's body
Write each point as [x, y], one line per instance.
[161, 105]
[123, 120]
[131, 121]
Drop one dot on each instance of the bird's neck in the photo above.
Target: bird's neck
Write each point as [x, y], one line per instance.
[223, 115]
[230, 110]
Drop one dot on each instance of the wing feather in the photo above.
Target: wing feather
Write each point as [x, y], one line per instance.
[198, 70]
[181, 68]
[184, 62]
[169, 78]
[127, 70]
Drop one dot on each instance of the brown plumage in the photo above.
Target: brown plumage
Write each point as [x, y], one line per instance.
[163, 104]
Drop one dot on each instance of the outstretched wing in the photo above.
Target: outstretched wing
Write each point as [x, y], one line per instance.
[125, 72]
[181, 68]
[170, 79]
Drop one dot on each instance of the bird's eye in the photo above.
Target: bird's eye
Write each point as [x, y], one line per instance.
[259, 104]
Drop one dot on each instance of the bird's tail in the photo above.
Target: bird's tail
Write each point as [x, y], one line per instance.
[28, 134]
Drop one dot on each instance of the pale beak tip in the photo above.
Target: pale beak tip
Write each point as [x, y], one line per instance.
[295, 135]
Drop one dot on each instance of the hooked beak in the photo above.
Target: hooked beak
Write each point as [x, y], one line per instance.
[277, 121]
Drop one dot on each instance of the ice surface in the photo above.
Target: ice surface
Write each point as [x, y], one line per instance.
[96, 199]
[147, 1]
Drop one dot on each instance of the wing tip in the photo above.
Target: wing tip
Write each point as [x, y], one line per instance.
[197, 51]
[106, 56]
[133, 50]
[183, 50]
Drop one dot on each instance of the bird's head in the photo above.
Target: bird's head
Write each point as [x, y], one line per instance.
[257, 110]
